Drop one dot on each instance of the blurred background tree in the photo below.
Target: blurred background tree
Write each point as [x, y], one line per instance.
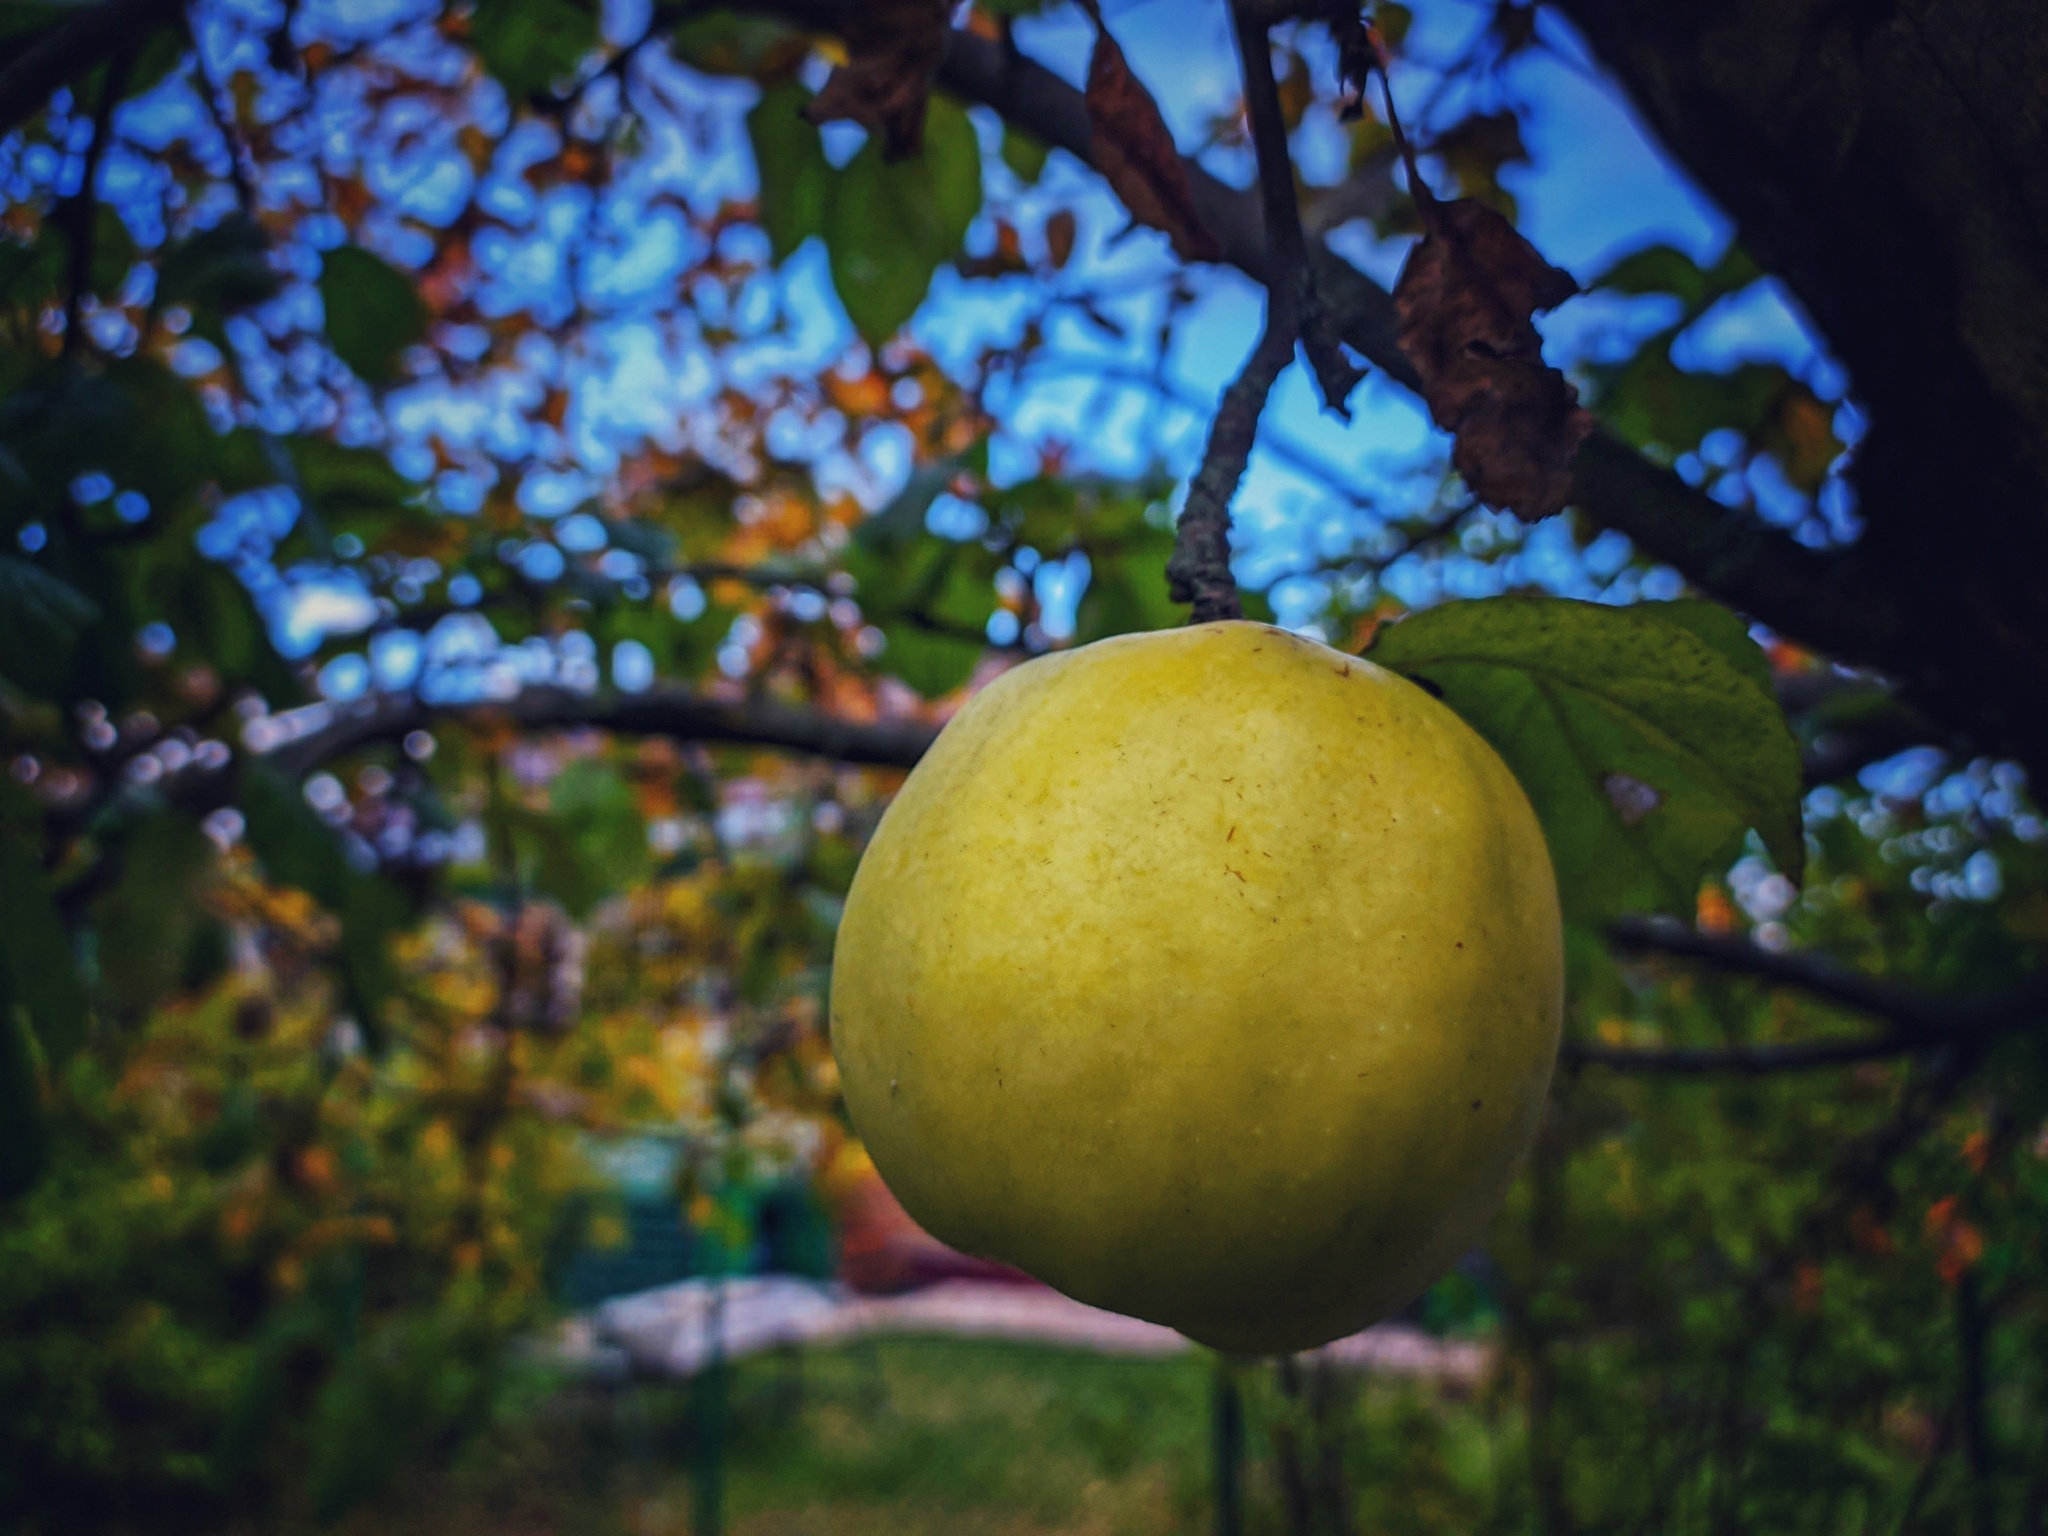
[496, 495]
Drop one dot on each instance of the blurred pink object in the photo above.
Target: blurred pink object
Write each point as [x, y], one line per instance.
[675, 1329]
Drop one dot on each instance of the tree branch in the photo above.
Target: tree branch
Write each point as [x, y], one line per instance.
[1825, 601]
[1293, 302]
[1739, 1061]
[69, 49]
[1920, 1021]
[1199, 570]
[680, 713]
[1810, 973]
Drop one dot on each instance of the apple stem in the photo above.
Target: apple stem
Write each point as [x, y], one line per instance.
[1199, 570]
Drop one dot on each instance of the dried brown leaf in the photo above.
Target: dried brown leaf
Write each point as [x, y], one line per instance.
[893, 50]
[1464, 302]
[1060, 228]
[1134, 150]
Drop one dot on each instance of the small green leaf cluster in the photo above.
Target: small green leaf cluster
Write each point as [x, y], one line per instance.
[1648, 738]
[887, 228]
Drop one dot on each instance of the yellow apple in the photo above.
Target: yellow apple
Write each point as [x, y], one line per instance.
[1212, 976]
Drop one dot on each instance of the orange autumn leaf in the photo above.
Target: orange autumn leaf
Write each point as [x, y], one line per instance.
[1715, 913]
[867, 395]
[1965, 1247]
[1961, 1245]
[315, 1169]
[1977, 1150]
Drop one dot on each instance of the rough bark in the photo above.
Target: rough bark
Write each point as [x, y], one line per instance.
[1888, 159]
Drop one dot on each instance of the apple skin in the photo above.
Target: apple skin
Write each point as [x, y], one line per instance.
[1210, 975]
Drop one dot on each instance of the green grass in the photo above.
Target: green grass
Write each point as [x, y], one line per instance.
[937, 1437]
[897, 1438]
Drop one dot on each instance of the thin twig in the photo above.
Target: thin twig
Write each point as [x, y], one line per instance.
[1286, 246]
[1824, 600]
[231, 141]
[82, 210]
[1199, 571]
[1291, 294]
[1417, 187]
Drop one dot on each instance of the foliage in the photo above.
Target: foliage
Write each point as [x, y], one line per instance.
[296, 1262]
[1647, 737]
[401, 420]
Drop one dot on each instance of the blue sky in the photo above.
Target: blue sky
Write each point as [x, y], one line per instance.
[1598, 189]
[1317, 491]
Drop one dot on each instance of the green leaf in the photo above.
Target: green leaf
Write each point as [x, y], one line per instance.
[593, 842]
[56, 425]
[170, 449]
[36, 963]
[901, 522]
[212, 615]
[1666, 269]
[1650, 400]
[1725, 632]
[164, 52]
[1025, 154]
[24, 18]
[931, 598]
[1654, 269]
[1127, 589]
[222, 270]
[722, 43]
[789, 157]
[530, 44]
[42, 269]
[888, 227]
[373, 311]
[1645, 750]
[933, 664]
[357, 491]
[945, 599]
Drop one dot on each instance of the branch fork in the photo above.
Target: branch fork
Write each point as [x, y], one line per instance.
[1199, 571]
